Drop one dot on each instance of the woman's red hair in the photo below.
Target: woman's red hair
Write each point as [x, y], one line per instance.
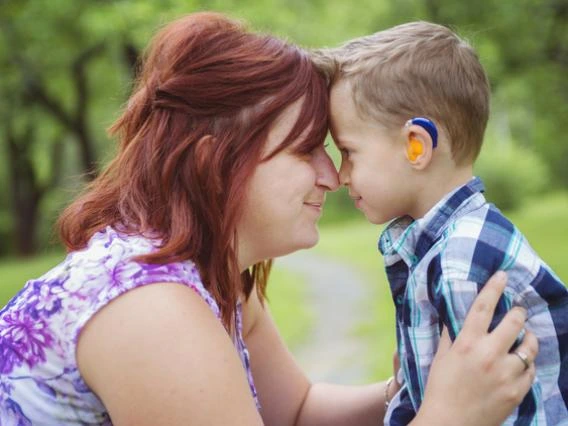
[190, 138]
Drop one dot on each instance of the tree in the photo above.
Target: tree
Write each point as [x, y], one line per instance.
[47, 101]
[27, 189]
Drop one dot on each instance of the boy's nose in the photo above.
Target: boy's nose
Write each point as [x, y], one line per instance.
[344, 179]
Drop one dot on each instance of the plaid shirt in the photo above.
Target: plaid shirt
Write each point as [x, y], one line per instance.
[437, 265]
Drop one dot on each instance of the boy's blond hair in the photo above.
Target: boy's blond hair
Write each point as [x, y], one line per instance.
[416, 69]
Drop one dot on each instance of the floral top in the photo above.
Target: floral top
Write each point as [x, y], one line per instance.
[40, 382]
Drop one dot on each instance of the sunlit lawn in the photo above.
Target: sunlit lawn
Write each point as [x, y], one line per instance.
[356, 243]
[286, 293]
[15, 272]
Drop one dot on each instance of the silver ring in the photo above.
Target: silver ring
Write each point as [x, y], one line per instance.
[524, 358]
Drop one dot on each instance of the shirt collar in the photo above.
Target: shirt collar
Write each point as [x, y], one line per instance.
[410, 239]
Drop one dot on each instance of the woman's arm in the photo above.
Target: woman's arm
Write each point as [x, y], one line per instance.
[475, 381]
[158, 356]
[286, 395]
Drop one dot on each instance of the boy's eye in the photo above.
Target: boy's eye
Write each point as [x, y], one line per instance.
[345, 152]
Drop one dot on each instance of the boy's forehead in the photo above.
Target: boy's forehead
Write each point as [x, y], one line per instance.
[341, 89]
[344, 117]
[341, 103]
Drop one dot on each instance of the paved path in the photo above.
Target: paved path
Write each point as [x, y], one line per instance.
[337, 293]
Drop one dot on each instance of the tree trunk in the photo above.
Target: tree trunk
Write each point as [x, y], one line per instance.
[26, 190]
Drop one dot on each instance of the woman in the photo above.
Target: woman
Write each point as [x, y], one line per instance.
[221, 167]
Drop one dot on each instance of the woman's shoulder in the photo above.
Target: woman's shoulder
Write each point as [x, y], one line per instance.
[112, 257]
[40, 327]
[66, 297]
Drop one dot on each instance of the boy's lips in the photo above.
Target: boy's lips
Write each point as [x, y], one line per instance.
[357, 200]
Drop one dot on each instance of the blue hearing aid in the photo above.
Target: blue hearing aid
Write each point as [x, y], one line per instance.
[427, 125]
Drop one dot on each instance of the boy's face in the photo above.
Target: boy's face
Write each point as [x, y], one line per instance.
[374, 166]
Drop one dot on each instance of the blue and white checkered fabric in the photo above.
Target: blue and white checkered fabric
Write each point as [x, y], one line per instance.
[437, 265]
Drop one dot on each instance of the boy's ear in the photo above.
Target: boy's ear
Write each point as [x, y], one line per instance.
[419, 146]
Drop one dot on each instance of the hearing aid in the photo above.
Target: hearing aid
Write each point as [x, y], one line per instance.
[414, 149]
[427, 125]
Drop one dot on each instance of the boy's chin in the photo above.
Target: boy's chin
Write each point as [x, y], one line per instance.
[376, 219]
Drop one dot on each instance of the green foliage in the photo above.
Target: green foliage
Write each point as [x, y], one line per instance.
[543, 221]
[511, 174]
[522, 43]
[524, 46]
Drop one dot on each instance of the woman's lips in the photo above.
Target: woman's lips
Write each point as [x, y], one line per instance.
[316, 205]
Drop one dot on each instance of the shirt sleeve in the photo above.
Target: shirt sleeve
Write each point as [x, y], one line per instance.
[453, 299]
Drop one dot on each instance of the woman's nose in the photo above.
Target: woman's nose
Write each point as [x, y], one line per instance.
[326, 172]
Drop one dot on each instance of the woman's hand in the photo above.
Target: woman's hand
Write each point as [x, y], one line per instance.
[392, 385]
[476, 380]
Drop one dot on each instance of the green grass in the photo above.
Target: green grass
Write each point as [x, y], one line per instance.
[15, 272]
[355, 242]
[287, 293]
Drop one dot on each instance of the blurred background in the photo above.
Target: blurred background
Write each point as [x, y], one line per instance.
[66, 68]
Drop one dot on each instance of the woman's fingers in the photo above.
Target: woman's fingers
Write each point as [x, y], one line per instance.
[527, 350]
[510, 327]
[445, 342]
[520, 376]
[526, 381]
[481, 312]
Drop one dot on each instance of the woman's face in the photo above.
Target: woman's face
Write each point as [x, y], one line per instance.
[285, 198]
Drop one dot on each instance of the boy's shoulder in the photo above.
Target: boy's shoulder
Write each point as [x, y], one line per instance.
[487, 225]
[480, 242]
[483, 241]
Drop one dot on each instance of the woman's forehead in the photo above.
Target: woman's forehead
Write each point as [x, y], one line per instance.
[283, 125]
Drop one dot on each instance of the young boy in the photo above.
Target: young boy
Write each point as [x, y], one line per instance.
[409, 107]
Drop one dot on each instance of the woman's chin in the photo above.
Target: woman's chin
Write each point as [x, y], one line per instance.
[306, 241]
[309, 240]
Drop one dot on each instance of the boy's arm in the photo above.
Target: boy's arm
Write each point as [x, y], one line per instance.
[453, 299]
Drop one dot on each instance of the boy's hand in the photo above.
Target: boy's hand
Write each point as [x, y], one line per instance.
[476, 380]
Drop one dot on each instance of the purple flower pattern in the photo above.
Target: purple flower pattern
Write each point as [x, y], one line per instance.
[39, 379]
